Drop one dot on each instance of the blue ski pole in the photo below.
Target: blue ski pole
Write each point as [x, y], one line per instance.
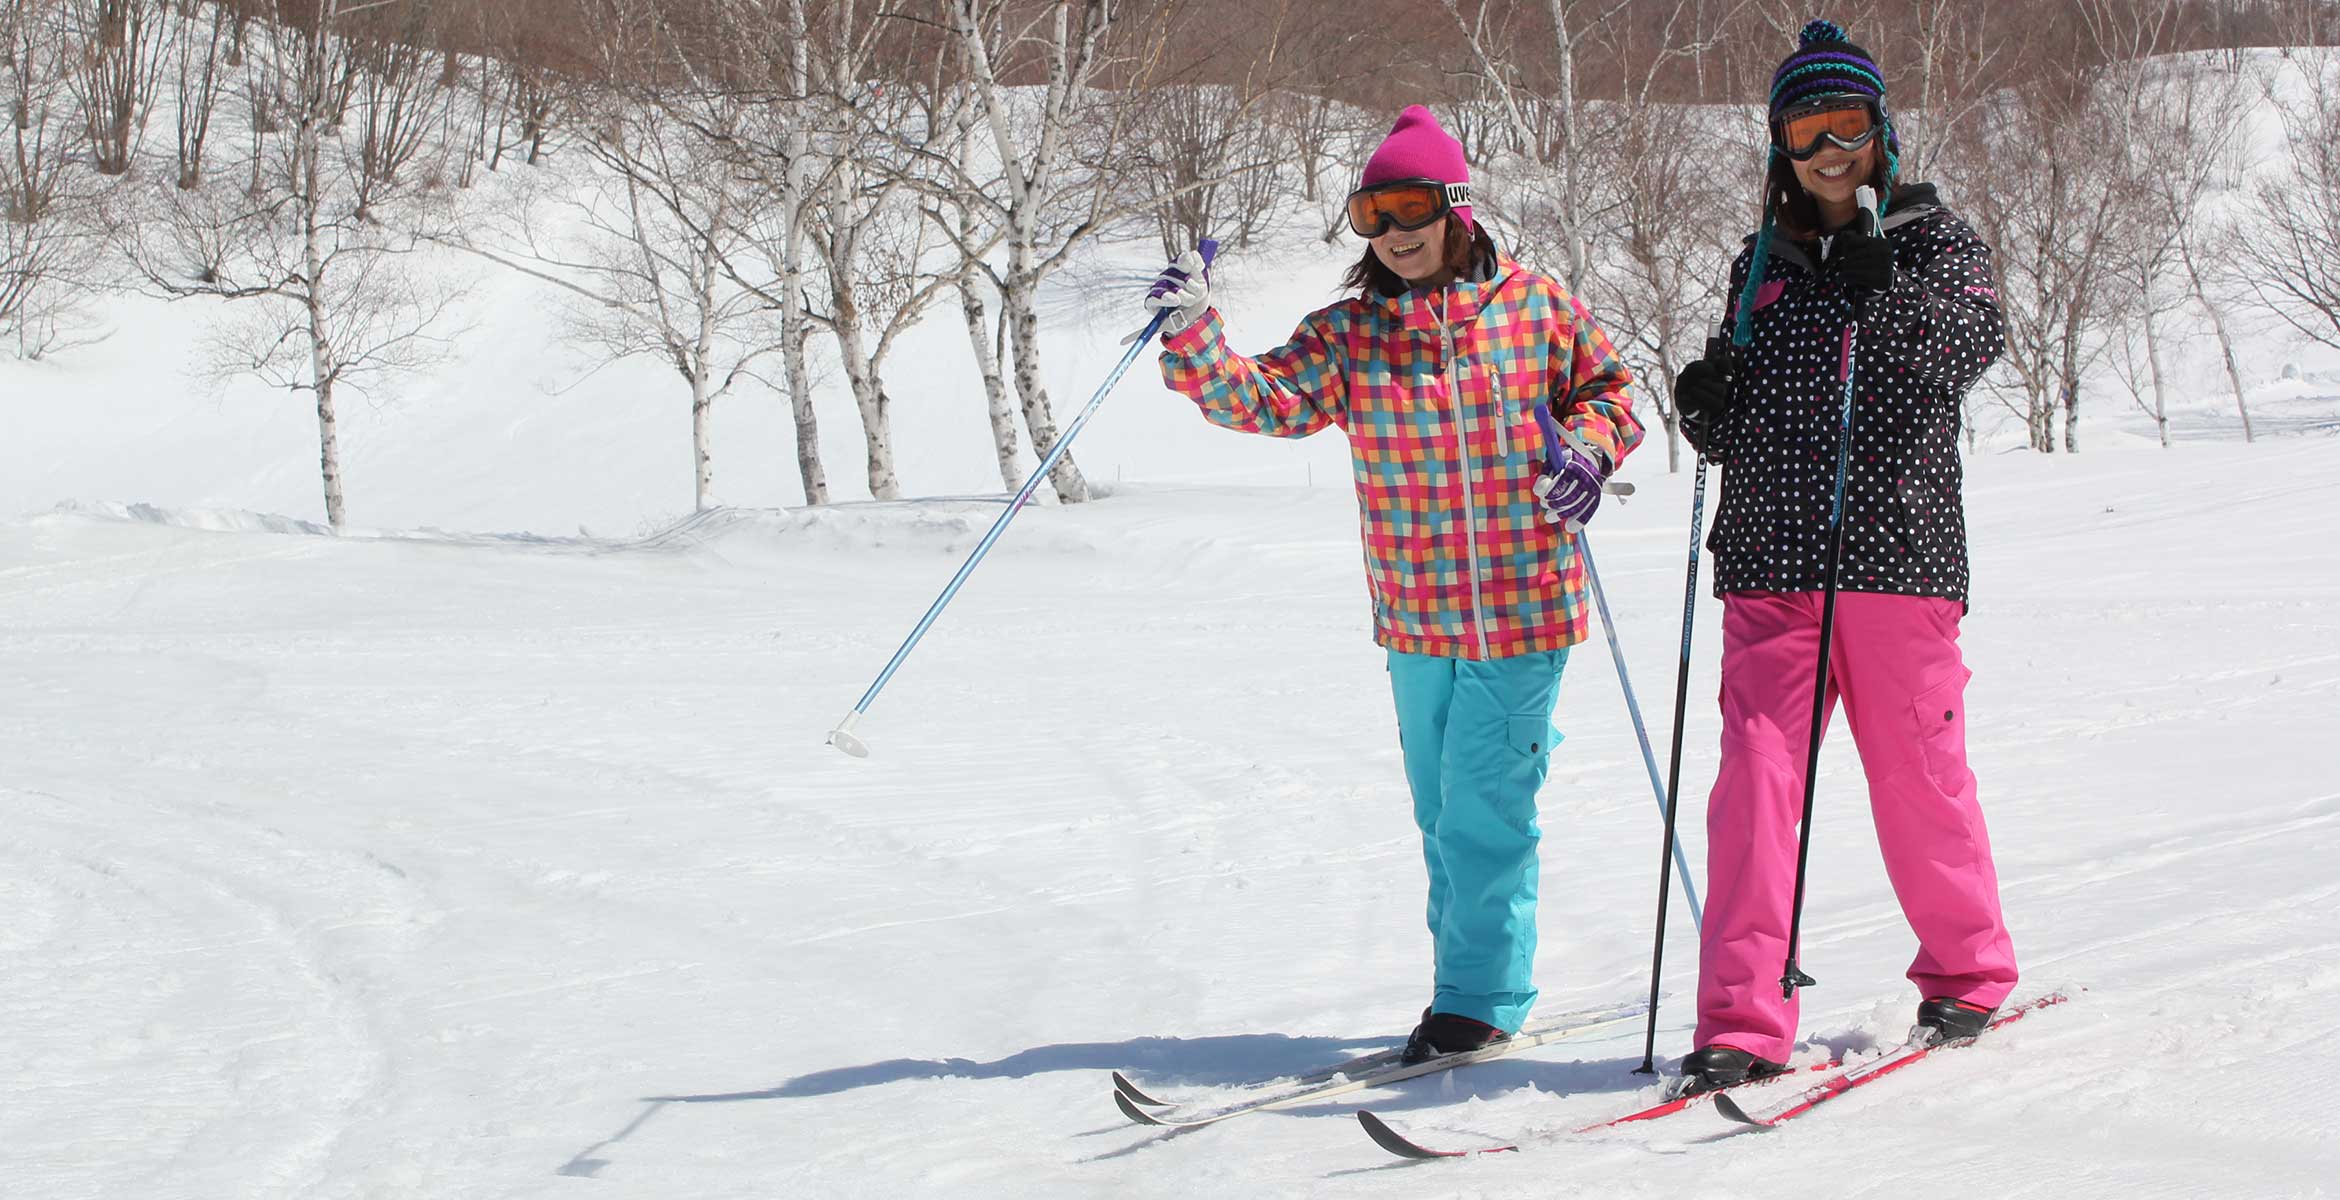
[1554, 435]
[843, 737]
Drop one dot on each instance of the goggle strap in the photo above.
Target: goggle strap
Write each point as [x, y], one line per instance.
[1457, 193]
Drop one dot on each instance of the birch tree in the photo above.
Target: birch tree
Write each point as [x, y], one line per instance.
[758, 54]
[2049, 201]
[1555, 147]
[2289, 256]
[118, 72]
[1043, 207]
[839, 158]
[644, 253]
[324, 301]
[959, 213]
[49, 233]
[2180, 140]
[204, 55]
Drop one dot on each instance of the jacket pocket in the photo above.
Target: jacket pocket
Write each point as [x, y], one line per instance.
[1940, 712]
[1918, 516]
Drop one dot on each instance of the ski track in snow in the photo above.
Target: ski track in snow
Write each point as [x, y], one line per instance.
[438, 865]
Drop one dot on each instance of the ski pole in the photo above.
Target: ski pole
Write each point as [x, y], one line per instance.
[1554, 435]
[1657, 953]
[1791, 973]
[843, 737]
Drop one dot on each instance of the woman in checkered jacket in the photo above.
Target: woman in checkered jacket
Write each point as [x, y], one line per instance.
[1437, 369]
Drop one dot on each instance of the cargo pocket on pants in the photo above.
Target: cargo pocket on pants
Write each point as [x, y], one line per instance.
[1941, 727]
[1532, 734]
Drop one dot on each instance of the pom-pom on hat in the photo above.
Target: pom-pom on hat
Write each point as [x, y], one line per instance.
[1418, 147]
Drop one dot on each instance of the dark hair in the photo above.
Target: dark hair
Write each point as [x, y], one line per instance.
[1798, 215]
[1466, 246]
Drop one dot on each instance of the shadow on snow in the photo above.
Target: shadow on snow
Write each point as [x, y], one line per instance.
[1192, 1062]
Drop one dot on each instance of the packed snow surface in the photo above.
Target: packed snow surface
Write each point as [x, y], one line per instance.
[425, 865]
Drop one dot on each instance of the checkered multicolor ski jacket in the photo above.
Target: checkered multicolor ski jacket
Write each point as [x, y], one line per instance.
[1456, 558]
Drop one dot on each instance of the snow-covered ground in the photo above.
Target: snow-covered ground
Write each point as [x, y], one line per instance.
[437, 865]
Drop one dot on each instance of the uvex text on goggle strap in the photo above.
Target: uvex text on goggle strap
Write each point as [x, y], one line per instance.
[1847, 122]
[1408, 204]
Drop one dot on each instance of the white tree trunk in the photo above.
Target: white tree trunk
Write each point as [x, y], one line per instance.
[1024, 340]
[795, 327]
[869, 391]
[1670, 415]
[702, 365]
[2242, 407]
[702, 441]
[323, 370]
[1570, 212]
[1002, 413]
[795, 323]
[808, 423]
[2160, 391]
[1027, 179]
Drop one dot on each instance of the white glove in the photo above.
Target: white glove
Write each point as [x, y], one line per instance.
[1183, 287]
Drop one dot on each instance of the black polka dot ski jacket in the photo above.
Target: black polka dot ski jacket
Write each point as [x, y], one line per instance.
[1921, 346]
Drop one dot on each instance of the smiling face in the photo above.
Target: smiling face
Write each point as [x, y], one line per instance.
[1833, 176]
[1416, 255]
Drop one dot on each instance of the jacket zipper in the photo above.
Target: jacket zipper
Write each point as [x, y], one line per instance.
[1462, 446]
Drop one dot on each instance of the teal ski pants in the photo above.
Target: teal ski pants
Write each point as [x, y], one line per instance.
[1478, 740]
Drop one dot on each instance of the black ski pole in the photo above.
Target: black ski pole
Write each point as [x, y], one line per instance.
[1792, 974]
[1657, 954]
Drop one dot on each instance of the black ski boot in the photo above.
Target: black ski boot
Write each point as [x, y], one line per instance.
[1445, 1033]
[1943, 1019]
[1718, 1067]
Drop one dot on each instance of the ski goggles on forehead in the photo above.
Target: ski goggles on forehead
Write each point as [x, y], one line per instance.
[1406, 204]
[1845, 122]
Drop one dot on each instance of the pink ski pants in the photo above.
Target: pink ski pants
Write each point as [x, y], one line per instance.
[1895, 664]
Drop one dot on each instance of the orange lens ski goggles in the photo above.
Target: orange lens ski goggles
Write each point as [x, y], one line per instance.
[1407, 204]
[1847, 122]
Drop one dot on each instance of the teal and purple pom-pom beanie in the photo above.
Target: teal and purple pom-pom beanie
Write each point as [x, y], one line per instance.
[1825, 62]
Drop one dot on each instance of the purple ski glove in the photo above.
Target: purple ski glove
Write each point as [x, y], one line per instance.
[1569, 489]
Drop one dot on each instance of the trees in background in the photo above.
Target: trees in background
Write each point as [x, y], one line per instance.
[316, 267]
[767, 194]
[51, 248]
[2290, 254]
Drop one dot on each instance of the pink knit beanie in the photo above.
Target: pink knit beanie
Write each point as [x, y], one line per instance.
[1419, 148]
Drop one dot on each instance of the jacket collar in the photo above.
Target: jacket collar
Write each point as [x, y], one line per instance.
[1459, 303]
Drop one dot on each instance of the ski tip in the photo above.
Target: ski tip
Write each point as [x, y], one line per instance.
[1130, 1109]
[1123, 1086]
[1395, 1142]
[1404, 1147]
[1730, 1108]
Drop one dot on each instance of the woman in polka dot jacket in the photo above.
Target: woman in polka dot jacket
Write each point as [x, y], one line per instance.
[1766, 404]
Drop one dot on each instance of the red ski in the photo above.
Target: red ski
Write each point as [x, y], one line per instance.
[1893, 1060]
[1404, 1147]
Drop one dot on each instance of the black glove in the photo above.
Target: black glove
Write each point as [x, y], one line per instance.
[1702, 392]
[1863, 260]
